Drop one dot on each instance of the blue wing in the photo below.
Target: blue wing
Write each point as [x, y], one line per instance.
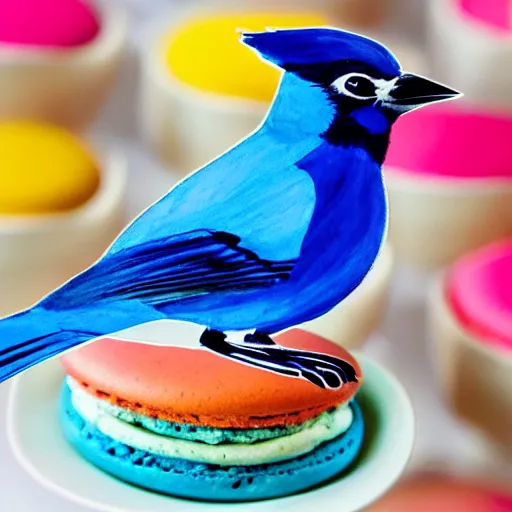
[173, 269]
[225, 228]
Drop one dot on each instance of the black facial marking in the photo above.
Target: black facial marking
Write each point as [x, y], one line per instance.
[345, 130]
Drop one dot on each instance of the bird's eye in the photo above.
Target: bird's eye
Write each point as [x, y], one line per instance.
[356, 85]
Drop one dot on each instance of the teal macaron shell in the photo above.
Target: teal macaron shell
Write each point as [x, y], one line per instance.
[203, 434]
[209, 482]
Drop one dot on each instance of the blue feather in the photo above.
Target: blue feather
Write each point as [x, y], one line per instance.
[172, 269]
[299, 47]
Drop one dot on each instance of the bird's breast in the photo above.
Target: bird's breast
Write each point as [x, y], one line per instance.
[346, 231]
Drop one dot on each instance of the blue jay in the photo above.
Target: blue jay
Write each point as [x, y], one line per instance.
[275, 232]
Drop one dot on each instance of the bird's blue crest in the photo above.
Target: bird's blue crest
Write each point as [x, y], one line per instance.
[308, 46]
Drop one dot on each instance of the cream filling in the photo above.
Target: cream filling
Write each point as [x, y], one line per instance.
[265, 452]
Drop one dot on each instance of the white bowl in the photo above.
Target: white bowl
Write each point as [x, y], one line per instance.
[63, 87]
[475, 378]
[473, 58]
[41, 449]
[187, 127]
[351, 322]
[39, 253]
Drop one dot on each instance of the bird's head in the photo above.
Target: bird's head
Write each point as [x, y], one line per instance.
[348, 88]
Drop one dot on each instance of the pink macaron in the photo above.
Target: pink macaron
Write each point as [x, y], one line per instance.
[437, 493]
[478, 289]
[495, 15]
[58, 58]
[471, 311]
[59, 24]
[449, 176]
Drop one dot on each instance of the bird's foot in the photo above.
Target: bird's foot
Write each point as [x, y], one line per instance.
[214, 340]
[322, 370]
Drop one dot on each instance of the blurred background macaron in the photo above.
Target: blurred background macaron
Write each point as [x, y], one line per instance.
[471, 326]
[203, 91]
[58, 58]
[437, 492]
[190, 423]
[449, 178]
[470, 43]
[61, 204]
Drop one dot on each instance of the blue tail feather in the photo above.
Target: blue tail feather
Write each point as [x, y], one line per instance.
[32, 337]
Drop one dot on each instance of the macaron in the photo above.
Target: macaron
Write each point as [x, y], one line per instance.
[435, 492]
[189, 423]
[471, 307]
[61, 206]
[449, 179]
[40, 24]
[478, 289]
[58, 58]
[44, 169]
[495, 15]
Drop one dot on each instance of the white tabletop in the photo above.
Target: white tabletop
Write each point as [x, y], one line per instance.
[401, 345]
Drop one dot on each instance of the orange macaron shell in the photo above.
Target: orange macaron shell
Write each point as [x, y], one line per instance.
[199, 387]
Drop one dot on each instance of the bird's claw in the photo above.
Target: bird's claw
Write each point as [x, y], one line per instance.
[320, 369]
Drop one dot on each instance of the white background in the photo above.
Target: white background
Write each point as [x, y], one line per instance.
[402, 344]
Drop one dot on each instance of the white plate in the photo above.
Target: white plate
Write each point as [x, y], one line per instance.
[35, 437]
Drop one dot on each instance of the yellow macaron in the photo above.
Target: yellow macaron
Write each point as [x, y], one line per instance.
[44, 169]
[206, 53]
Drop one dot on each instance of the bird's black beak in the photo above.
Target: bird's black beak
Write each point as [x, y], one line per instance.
[413, 91]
